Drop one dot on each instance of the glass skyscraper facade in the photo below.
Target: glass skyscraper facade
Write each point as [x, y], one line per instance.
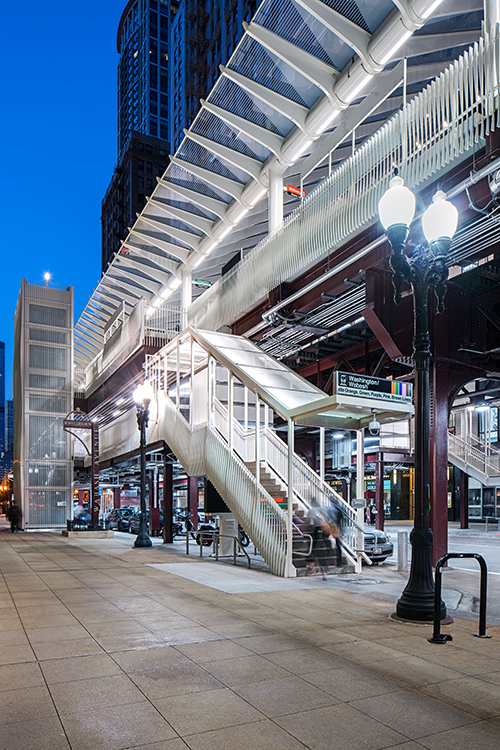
[170, 54]
[143, 37]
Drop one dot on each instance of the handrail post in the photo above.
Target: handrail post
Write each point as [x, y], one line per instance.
[436, 636]
[482, 598]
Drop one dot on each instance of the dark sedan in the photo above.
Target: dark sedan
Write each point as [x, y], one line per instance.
[119, 518]
[378, 546]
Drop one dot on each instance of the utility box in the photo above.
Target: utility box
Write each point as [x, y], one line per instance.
[228, 526]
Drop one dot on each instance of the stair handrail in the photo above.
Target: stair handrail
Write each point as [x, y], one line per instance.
[249, 434]
[479, 459]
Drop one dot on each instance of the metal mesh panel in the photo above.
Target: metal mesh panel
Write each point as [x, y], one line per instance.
[255, 62]
[53, 337]
[452, 115]
[210, 126]
[228, 95]
[49, 402]
[48, 316]
[48, 508]
[47, 358]
[285, 18]
[47, 438]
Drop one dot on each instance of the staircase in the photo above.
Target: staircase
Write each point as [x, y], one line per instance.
[326, 550]
[475, 459]
[212, 438]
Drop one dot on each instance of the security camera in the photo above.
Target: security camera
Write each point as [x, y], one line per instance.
[374, 426]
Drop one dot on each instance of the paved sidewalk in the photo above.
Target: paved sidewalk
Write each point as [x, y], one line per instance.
[101, 650]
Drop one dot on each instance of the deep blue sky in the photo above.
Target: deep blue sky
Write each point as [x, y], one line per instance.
[58, 136]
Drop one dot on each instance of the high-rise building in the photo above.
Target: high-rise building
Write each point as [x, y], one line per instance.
[43, 393]
[170, 54]
[9, 426]
[3, 458]
[142, 42]
[203, 35]
[144, 159]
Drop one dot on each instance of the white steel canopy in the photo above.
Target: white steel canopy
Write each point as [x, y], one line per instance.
[292, 396]
[297, 66]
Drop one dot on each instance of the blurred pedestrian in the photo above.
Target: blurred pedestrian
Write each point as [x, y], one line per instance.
[15, 517]
[326, 524]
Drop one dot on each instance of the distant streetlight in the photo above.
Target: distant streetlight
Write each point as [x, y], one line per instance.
[425, 269]
[143, 395]
[47, 276]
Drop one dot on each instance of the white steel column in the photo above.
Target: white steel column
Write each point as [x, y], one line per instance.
[257, 450]
[290, 571]
[230, 407]
[266, 421]
[491, 15]
[191, 384]
[209, 390]
[360, 492]
[246, 407]
[178, 378]
[322, 453]
[275, 198]
[186, 294]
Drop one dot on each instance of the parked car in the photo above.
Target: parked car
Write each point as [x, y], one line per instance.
[135, 520]
[119, 518]
[378, 546]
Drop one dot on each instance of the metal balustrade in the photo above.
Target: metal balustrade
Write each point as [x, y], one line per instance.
[207, 440]
[450, 117]
[463, 450]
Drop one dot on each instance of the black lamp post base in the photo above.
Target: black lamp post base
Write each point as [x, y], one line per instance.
[416, 603]
[143, 541]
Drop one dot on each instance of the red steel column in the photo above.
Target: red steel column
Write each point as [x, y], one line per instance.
[168, 501]
[192, 496]
[379, 491]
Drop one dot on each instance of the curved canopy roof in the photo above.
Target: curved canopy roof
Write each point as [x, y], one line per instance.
[297, 66]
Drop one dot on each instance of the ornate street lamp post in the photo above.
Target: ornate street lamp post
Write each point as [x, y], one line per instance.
[425, 269]
[142, 397]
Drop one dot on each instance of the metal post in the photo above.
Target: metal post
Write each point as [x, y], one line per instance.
[246, 408]
[186, 294]
[209, 390]
[275, 198]
[402, 551]
[191, 383]
[290, 571]
[143, 539]
[230, 407]
[360, 487]
[322, 453]
[425, 270]
[436, 635]
[257, 441]
[167, 499]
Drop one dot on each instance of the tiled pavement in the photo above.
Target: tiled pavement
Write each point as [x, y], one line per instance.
[101, 651]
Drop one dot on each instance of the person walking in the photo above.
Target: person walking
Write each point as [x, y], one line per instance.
[15, 517]
[321, 538]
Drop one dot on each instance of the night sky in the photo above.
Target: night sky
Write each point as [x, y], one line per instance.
[58, 136]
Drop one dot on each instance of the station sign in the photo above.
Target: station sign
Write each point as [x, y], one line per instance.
[204, 283]
[366, 386]
[292, 190]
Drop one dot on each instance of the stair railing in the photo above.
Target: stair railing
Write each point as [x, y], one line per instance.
[471, 456]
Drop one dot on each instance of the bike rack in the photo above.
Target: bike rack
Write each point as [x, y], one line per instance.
[444, 638]
[215, 541]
